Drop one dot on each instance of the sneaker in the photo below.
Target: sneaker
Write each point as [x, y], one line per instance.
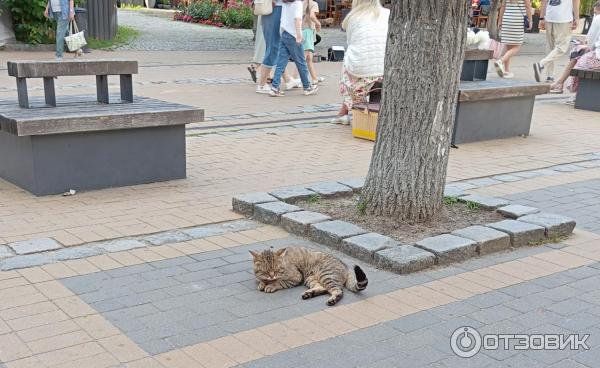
[549, 79]
[500, 68]
[537, 71]
[311, 90]
[319, 80]
[263, 90]
[509, 75]
[293, 83]
[59, 59]
[276, 92]
[556, 88]
[342, 119]
[570, 101]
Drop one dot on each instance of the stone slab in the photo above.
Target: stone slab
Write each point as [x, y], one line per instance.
[244, 203]
[488, 240]
[299, 222]
[521, 233]
[293, 194]
[554, 225]
[270, 212]
[332, 233]
[34, 246]
[449, 248]
[121, 245]
[356, 183]
[404, 259]
[364, 246]
[167, 237]
[5, 252]
[515, 211]
[330, 189]
[488, 203]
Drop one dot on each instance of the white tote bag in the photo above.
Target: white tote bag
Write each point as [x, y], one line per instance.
[263, 7]
[75, 40]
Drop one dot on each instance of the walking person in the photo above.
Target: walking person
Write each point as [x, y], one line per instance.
[559, 18]
[271, 25]
[310, 27]
[64, 12]
[259, 50]
[512, 30]
[291, 47]
[366, 31]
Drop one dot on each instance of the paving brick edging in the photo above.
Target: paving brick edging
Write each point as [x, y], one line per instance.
[523, 226]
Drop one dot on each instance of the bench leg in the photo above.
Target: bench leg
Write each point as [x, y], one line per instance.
[126, 88]
[102, 88]
[22, 92]
[49, 91]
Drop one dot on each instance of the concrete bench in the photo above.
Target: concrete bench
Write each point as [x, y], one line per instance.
[85, 145]
[495, 109]
[588, 93]
[48, 70]
[475, 65]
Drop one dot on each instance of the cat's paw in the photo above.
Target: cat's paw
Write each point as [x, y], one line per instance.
[270, 289]
[307, 294]
[261, 286]
[332, 301]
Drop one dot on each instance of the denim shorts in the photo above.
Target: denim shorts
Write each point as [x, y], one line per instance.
[270, 25]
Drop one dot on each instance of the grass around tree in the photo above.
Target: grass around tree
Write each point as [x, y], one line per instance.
[124, 36]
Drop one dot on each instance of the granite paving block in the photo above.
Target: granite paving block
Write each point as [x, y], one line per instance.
[270, 212]
[121, 245]
[356, 183]
[203, 231]
[34, 246]
[330, 189]
[5, 252]
[488, 203]
[364, 246]
[453, 191]
[488, 240]
[244, 203]
[555, 225]
[521, 233]
[30, 260]
[484, 182]
[449, 248]
[331, 233]
[404, 259]
[166, 237]
[515, 211]
[79, 252]
[507, 178]
[293, 194]
[299, 222]
[238, 225]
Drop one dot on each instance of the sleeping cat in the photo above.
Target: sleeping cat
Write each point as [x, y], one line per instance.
[322, 273]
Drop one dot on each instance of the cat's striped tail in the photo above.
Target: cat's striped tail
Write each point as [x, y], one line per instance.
[356, 279]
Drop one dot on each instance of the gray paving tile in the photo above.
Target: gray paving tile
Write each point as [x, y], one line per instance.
[415, 322]
[493, 314]
[569, 307]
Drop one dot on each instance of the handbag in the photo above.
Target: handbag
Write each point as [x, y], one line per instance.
[76, 39]
[263, 7]
[335, 53]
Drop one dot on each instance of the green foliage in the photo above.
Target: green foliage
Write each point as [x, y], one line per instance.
[30, 25]
[536, 4]
[472, 206]
[361, 207]
[313, 198]
[585, 7]
[450, 200]
[203, 10]
[124, 36]
[237, 17]
[131, 6]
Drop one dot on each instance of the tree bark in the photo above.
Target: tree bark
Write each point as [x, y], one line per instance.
[423, 59]
[493, 20]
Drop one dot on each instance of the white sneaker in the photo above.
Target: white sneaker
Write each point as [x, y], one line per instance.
[311, 90]
[263, 90]
[509, 75]
[342, 119]
[570, 101]
[319, 80]
[59, 59]
[293, 83]
[500, 68]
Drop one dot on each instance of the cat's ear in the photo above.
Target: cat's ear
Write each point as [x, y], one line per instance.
[255, 254]
[280, 252]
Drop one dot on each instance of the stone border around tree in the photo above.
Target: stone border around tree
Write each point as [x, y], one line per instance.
[523, 226]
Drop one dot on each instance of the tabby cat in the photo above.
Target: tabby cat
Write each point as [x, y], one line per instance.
[322, 273]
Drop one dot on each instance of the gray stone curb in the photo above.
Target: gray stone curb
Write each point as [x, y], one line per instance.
[356, 184]
[293, 194]
[244, 204]
[449, 248]
[366, 245]
[554, 225]
[299, 222]
[330, 189]
[270, 212]
[521, 233]
[488, 203]
[332, 233]
[488, 240]
[515, 211]
[404, 259]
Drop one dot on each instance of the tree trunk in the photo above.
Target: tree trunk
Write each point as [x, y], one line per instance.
[493, 20]
[422, 65]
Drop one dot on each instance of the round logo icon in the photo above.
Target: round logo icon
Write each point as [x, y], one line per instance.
[465, 342]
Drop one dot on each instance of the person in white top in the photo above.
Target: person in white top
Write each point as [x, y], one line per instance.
[558, 18]
[366, 31]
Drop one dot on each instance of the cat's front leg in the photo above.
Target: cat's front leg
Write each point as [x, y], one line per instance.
[261, 286]
[273, 287]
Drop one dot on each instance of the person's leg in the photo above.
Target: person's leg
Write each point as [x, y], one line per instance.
[271, 24]
[62, 27]
[282, 61]
[511, 50]
[565, 74]
[311, 66]
[561, 37]
[297, 53]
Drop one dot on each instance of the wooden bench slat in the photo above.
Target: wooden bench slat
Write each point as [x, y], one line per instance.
[584, 73]
[478, 54]
[497, 89]
[40, 69]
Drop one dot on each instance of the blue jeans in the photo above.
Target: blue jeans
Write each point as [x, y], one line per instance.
[289, 48]
[270, 26]
[62, 27]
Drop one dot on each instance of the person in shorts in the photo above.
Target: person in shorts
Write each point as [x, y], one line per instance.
[310, 27]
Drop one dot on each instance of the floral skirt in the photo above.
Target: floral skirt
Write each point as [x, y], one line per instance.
[355, 89]
[587, 61]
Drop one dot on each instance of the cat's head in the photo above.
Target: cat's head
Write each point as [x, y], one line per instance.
[268, 265]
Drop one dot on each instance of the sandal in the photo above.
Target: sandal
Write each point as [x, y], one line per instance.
[252, 71]
[556, 88]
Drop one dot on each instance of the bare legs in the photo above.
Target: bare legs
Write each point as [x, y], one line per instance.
[311, 65]
[511, 50]
[558, 85]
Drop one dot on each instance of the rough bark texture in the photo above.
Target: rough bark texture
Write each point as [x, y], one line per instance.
[422, 66]
[493, 20]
